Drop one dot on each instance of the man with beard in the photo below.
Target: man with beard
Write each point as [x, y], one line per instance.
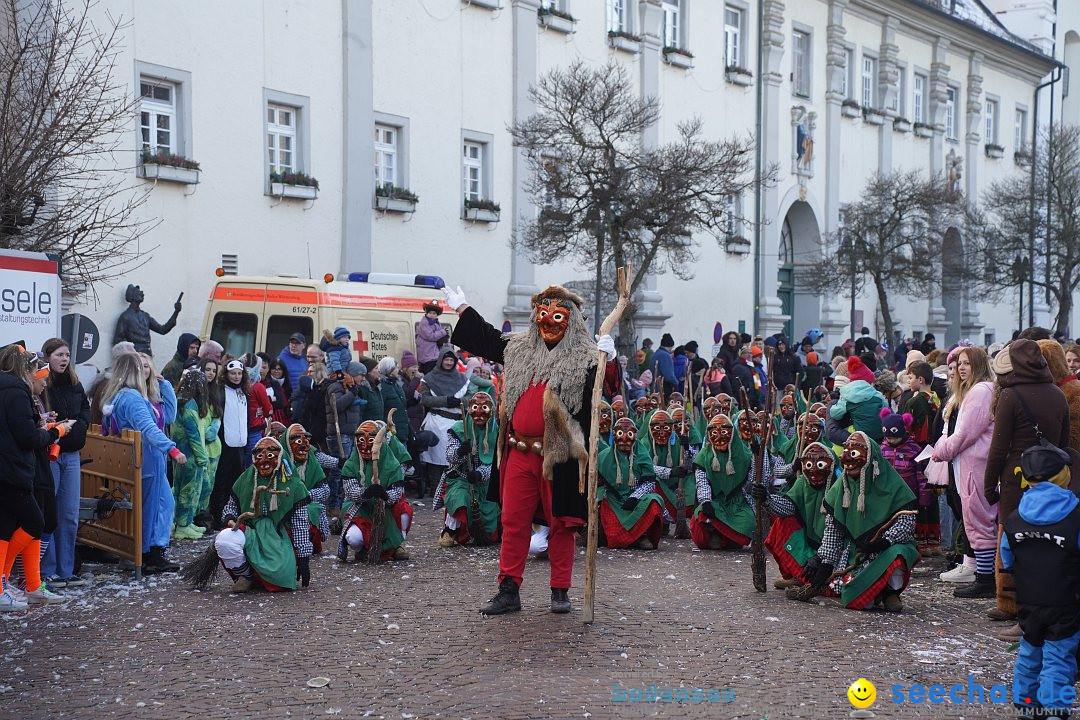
[799, 513]
[627, 520]
[724, 517]
[544, 415]
[267, 539]
[463, 490]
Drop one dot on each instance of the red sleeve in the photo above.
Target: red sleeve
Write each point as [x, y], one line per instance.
[612, 384]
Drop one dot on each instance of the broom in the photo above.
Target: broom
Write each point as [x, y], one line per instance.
[201, 572]
[378, 507]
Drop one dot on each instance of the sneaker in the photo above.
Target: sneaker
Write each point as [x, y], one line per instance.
[959, 574]
[9, 603]
[56, 582]
[73, 581]
[188, 532]
[983, 588]
[43, 596]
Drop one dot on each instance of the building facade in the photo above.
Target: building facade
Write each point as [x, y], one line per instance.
[416, 95]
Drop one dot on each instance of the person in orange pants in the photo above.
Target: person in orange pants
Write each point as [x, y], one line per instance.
[23, 447]
[544, 412]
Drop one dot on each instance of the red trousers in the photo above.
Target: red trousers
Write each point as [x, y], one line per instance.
[522, 489]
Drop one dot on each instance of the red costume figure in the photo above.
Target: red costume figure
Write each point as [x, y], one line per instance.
[544, 415]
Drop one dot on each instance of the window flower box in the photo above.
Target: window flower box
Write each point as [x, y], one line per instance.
[995, 151]
[902, 125]
[391, 198]
[1022, 157]
[872, 117]
[489, 4]
[737, 245]
[923, 130]
[556, 20]
[481, 210]
[294, 185]
[678, 57]
[850, 109]
[168, 167]
[621, 40]
[740, 76]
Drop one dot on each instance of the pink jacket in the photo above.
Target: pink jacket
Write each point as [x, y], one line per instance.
[968, 447]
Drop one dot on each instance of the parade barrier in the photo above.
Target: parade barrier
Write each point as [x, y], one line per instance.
[114, 468]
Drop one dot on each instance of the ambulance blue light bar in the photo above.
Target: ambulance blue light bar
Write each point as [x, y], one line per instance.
[431, 281]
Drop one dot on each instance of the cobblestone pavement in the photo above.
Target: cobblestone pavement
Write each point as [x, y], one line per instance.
[404, 640]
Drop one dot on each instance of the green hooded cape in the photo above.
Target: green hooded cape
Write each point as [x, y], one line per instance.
[391, 457]
[728, 500]
[616, 482]
[266, 539]
[460, 492]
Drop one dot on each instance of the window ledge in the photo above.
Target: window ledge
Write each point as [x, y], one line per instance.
[480, 215]
[301, 192]
[486, 4]
[850, 111]
[737, 245]
[169, 173]
[742, 78]
[395, 205]
[995, 151]
[873, 117]
[1022, 158]
[680, 60]
[625, 44]
[556, 23]
[901, 125]
[923, 131]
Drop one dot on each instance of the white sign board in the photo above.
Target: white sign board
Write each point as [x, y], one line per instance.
[29, 298]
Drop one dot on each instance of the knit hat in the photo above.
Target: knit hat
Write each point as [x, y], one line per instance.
[895, 425]
[645, 378]
[691, 346]
[914, 356]
[858, 371]
[408, 360]
[354, 369]
[814, 335]
[755, 351]
[885, 383]
[369, 363]
[341, 333]
[1042, 463]
[1002, 363]
[667, 341]
[811, 358]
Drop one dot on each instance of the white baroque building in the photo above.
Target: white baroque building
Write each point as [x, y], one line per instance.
[424, 90]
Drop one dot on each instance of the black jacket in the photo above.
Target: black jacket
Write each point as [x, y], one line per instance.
[741, 376]
[785, 368]
[21, 440]
[68, 400]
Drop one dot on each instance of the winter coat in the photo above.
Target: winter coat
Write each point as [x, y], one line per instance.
[296, 365]
[175, 367]
[680, 364]
[1071, 389]
[664, 366]
[393, 396]
[1013, 432]
[727, 353]
[373, 409]
[813, 376]
[68, 400]
[413, 406]
[129, 410]
[260, 409]
[966, 448]
[21, 438]
[430, 335]
[861, 404]
[742, 378]
[785, 368]
[350, 409]
[646, 361]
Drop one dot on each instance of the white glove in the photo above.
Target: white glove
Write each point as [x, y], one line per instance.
[454, 298]
[604, 343]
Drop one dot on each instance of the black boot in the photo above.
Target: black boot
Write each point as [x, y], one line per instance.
[203, 519]
[156, 562]
[983, 587]
[560, 602]
[507, 600]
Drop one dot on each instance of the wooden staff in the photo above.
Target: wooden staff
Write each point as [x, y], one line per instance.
[757, 542]
[622, 284]
[378, 507]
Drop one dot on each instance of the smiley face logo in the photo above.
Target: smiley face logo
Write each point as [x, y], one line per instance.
[862, 693]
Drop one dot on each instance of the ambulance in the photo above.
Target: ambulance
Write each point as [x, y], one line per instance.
[380, 310]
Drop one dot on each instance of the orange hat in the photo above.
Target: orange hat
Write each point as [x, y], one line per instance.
[42, 373]
[755, 351]
[811, 358]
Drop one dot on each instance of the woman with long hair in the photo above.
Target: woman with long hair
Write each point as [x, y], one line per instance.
[260, 410]
[159, 392]
[236, 385]
[966, 447]
[278, 373]
[128, 407]
[66, 399]
[191, 481]
[23, 446]
[215, 398]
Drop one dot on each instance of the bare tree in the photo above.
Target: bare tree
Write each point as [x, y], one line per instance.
[63, 115]
[891, 240]
[609, 200]
[1043, 215]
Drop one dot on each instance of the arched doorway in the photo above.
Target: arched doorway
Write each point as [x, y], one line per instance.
[952, 285]
[800, 245]
[785, 280]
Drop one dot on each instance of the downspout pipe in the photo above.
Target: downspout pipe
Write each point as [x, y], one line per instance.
[758, 162]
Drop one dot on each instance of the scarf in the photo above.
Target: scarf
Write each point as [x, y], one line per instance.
[445, 382]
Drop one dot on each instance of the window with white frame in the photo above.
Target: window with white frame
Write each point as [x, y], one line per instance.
[733, 17]
[281, 138]
[157, 116]
[472, 166]
[673, 25]
[898, 98]
[950, 114]
[1020, 131]
[618, 20]
[990, 120]
[918, 98]
[731, 223]
[845, 78]
[800, 70]
[386, 156]
[868, 81]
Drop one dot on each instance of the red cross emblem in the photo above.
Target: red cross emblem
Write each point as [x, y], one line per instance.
[360, 345]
